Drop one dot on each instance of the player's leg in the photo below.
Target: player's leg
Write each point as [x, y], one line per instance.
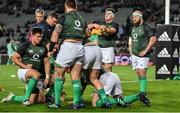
[97, 84]
[34, 96]
[142, 80]
[25, 75]
[97, 101]
[75, 75]
[77, 53]
[140, 65]
[49, 96]
[58, 86]
[65, 59]
[32, 77]
[130, 99]
[108, 58]
[142, 71]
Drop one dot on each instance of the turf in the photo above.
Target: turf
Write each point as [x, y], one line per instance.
[164, 94]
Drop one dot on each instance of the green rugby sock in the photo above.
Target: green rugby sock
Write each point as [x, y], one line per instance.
[113, 101]
[143, 83]
[99, 103]
[18, 98]
[30, 87]
[130, 99]
[76, 91]
[58, 87]
[51, 91]
[102, 95]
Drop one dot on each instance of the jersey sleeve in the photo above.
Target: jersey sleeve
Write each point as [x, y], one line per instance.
[22, 48]
[61, 20]
[149, 31]
[116, 26]
[46, 52]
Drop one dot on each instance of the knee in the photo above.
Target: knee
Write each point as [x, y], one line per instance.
[137, 72]
[92, 79]
[36, 74]
[93, 76]
[142, 72]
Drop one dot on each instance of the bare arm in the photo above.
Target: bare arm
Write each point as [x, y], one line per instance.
[151, 43]
[88, 32]
[89, 27]
[95, 98]
[56, 32]
[16, 58]
[47, 67]
[110, 30]
[130, 45]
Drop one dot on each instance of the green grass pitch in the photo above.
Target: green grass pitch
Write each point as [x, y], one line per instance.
[164, 94]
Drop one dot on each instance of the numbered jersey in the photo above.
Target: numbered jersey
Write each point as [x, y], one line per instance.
[34, 55]
[73, 25]
[140, 38]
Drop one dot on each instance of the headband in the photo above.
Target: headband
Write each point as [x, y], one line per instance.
[111, 13]
[137, 14]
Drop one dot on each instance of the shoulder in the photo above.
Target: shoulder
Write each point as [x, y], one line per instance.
[40, 24]
[149, 30]
[115, 23]
[25, 44]
[44, 47]
[62, 19]
[23, 47]
[147, 26]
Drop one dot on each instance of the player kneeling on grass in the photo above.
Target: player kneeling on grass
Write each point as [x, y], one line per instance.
[92, 61]
[112, 87]
[45, 92]
[33, 61]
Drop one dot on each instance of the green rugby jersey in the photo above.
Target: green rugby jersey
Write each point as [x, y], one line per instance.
[34, 55]
[140, 38]
[108, 40]
[74, 25]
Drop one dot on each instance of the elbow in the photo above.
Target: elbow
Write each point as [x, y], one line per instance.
[154, 39]
[13, 58]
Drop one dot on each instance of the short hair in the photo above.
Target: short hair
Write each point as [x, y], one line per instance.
[41, 11]
[71, 3]
[36, 30]
[53, 14]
